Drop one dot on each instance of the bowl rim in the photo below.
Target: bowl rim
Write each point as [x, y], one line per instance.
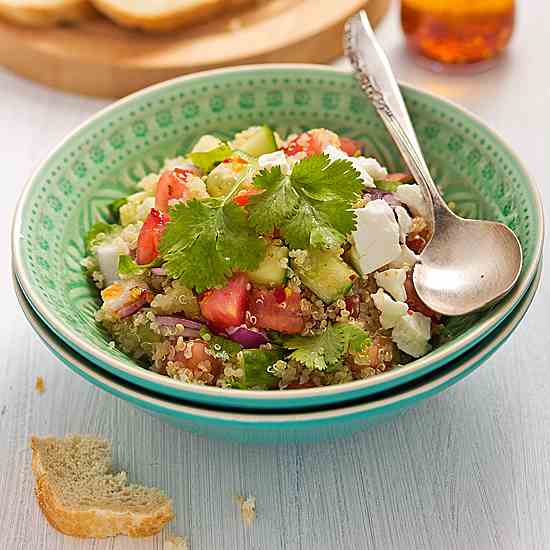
[160, 403]
[436, 357]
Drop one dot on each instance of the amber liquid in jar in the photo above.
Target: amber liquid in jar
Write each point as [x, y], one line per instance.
[458, 32]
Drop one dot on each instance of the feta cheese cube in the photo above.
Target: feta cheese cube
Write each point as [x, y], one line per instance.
[411, 195]
[270, 160]
[406, 259]
[390, 310]
[335, 153]
[376, 238]
[107, 257]
[412, 334]
[393, 281]
[404, 221]
[370, 166]
[369, 169]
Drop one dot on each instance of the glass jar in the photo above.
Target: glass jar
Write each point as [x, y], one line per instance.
[457, 32]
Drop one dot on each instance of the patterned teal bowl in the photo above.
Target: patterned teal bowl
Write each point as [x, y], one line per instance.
[257, 427]
[104, 158]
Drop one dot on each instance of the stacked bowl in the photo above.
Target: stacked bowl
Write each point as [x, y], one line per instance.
[103, 159]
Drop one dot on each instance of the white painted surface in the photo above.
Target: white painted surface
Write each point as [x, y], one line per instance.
[469, 469]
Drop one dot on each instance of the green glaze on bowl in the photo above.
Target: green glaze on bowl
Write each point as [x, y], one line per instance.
[104, 159]
[297, 426]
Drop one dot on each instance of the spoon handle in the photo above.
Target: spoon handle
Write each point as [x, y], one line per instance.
[377, 80]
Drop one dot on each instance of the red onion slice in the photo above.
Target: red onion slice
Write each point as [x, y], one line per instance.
[246, 337]
[134, 307]
[158, 271]
[172, 321]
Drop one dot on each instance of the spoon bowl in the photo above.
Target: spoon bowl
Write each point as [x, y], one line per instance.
[467, 264]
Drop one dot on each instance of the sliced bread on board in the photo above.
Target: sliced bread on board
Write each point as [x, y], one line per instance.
[81, 496]
[164, 15]
[43, 13]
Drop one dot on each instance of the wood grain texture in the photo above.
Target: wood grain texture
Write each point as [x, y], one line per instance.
[468, 470]
[99, 58]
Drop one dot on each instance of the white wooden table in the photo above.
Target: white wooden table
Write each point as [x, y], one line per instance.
[468, 469]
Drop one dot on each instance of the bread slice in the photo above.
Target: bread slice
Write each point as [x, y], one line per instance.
[163, 15]
[80, 496]
[43, 13]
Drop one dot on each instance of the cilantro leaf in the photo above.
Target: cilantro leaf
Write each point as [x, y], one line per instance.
[204, 241]
[311, 206]
[208, 159]
[355, 338]
[317, 352]
[321, 179]
[312, 227]
[333, 211]
[278, 203]
[327, 349]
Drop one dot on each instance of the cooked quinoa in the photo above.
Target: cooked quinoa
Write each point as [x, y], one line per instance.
[278, 297]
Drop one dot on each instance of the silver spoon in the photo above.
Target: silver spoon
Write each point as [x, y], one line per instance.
[467, 264]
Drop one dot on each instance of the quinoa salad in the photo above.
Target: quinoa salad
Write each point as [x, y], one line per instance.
[266, 263]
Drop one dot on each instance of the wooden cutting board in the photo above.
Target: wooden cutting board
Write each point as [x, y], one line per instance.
[99, 58]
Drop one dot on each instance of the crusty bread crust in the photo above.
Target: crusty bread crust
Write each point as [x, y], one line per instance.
[47, 14]
[168, 20]
[99, 523]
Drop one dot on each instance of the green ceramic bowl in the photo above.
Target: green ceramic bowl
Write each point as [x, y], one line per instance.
[258, 427]
[104, 158]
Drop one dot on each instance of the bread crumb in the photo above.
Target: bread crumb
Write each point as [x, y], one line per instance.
[39, 385]
[176, 543]
[248, 508]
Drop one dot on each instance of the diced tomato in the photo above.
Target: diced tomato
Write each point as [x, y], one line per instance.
[416, 243]
[414, 302]
[225, 307]
[149, 236]
[350, 146]
[419, 235]
[300, 144]
[242, 198]
[267, 311]
[172, 185]
[353, 305]
[140, 298]
[194, 354]
[279, 294]
[311, 143]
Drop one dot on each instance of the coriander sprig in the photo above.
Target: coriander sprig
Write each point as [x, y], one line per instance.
[206, 240]
[312, 206]
[327, 349]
